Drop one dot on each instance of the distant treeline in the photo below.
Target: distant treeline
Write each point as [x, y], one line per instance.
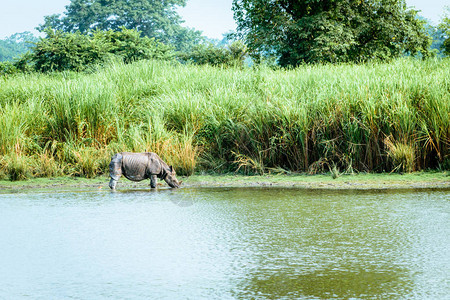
[64, 51]
[12, 47]
[284, 33]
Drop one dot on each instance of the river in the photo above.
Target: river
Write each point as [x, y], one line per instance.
[225, 243]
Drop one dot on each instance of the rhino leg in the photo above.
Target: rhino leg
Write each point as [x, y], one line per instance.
[112, 184]
[115, 170]
[153, 180]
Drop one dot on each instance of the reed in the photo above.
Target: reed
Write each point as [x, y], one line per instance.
[313, 118]
[16, 167]
[12, 128]
[402, 155]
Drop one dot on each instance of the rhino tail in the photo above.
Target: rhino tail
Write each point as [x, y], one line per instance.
[115, 166]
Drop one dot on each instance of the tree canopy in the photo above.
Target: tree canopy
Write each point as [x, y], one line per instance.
[60, 51]
[444, 28]
[330, 30]
[153, 18]
[15, 45]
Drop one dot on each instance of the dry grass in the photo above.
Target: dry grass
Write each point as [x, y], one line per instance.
[402, 155]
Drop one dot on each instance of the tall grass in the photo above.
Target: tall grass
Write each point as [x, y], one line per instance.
[311, 119]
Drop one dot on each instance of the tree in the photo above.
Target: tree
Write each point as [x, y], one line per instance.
[444, 27]
[15, 45]
[329, 30]
[60, 51]
[438, 37]
[217, 55]
[154, 18]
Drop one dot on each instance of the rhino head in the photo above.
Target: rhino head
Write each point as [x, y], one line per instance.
[171, 179]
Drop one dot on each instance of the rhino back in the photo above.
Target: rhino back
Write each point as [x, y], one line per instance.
[134, 166]
[156, 163]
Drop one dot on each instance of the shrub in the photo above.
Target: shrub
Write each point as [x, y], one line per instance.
[216, 55]
[20, 65]
[8, 68]
[61, 51]
[130, 46]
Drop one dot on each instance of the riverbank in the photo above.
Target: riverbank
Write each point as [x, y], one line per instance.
[418, 180]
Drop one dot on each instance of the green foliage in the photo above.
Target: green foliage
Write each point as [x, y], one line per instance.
[238, 50]
[14, 46]
[233, 55]
[437, 36]
[12, 128]
[444, 27]
[89, 161]
[314, 118]
[437, 45]
[61, 51]
[131, 46]
[207, 54]
[14, 53]
[16, 167]
[8, 68]
[184, 39]
[329, 31]
[19, 65]
[154, 18]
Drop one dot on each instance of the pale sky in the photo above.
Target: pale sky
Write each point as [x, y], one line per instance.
[212, 17]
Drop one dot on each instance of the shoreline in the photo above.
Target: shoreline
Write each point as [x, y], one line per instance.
[366, 181]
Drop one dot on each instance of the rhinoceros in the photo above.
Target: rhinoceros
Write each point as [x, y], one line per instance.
[140, 166]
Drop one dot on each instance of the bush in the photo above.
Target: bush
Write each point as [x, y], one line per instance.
[20, 65]
[8, 68]
[444, 27]
[216, 55]
[63, 51]
[130, 46]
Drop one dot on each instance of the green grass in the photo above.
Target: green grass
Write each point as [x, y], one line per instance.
[315, 118]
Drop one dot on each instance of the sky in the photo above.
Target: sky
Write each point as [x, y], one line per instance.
[212, 17]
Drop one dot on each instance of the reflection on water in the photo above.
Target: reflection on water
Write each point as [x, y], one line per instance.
[326, 284]
[231, 243]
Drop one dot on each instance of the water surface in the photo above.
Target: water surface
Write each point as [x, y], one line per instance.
[225, 243]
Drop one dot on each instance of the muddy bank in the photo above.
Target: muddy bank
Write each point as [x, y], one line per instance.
[422, 180]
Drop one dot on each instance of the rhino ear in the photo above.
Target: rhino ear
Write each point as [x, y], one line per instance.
[171, 169]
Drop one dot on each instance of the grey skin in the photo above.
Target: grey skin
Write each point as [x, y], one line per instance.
[140, 166]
